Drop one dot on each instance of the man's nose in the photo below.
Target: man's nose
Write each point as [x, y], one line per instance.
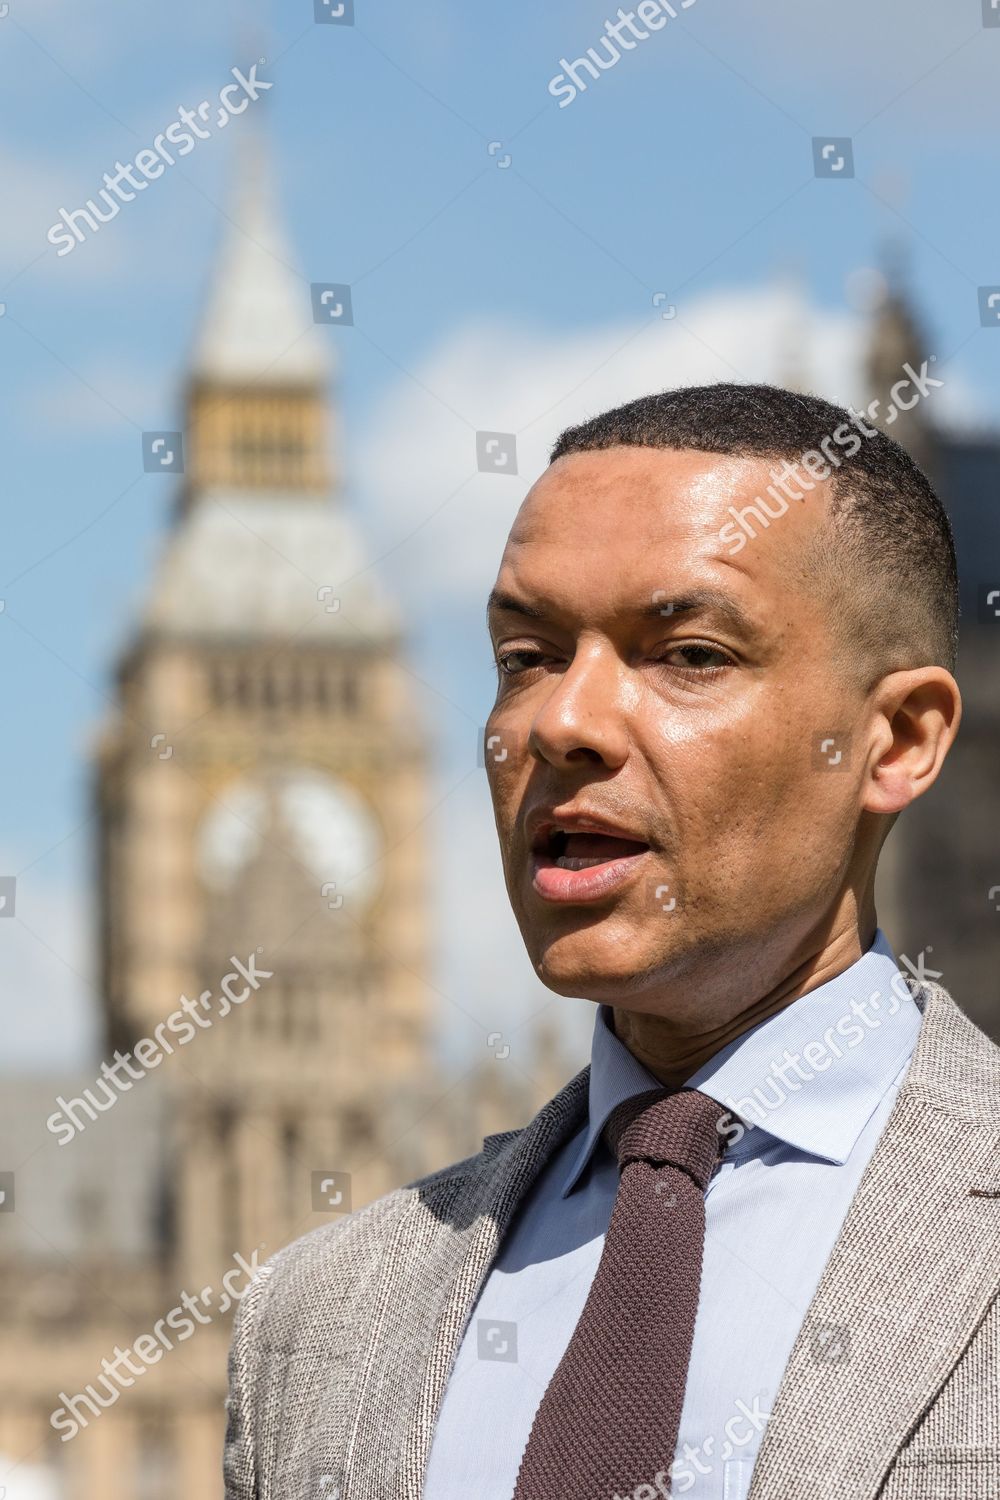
[584, 712]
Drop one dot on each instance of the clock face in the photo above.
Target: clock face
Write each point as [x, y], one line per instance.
[330, 825]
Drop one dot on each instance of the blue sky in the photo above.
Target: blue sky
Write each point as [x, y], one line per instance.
[514, 297]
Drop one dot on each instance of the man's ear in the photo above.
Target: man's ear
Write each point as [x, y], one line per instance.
[916, 719]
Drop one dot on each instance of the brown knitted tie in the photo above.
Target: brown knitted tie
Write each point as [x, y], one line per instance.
[609, 1417]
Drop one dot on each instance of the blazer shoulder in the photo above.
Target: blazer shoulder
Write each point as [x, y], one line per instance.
[359, 1238]
[333, 1273]
[955, 1065]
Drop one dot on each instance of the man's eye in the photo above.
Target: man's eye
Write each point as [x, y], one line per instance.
[696, 658]
[505, 658]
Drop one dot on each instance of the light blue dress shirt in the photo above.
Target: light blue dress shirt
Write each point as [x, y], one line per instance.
[813, 1085]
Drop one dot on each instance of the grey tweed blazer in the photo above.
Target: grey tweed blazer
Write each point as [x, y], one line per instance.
[344, 1340]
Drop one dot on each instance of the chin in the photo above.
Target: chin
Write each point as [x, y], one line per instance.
[578, 964]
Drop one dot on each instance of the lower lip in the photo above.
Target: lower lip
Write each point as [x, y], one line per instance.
[553, 883]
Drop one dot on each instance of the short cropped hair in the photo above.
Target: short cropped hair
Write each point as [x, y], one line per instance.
[885, 560]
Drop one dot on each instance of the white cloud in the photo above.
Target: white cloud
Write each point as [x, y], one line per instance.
[417, 451]
[50, 1015]
[442, 525]
[26, 1481]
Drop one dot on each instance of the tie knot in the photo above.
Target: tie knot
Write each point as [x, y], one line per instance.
[676, 1127]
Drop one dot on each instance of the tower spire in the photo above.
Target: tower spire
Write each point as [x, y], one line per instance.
[897, 339]
[257, 412]
[257, 323]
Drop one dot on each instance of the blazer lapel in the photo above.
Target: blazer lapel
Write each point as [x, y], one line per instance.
[447, 1241]
[913, 1271]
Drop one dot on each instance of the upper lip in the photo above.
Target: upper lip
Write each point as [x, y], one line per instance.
[541, 821]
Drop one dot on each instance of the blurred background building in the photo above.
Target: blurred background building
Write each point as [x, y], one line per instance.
[262, 790]
[938, 889]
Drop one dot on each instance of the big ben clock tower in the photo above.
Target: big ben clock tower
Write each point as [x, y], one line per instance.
[262, 792]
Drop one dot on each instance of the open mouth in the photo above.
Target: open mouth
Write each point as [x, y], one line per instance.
[583, 866]
[583, 851]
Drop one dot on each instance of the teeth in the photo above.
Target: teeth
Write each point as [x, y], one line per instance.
[571, 862]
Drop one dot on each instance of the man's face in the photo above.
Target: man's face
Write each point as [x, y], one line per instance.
[682, 695]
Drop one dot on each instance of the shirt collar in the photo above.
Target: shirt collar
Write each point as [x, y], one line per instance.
[810, 1076]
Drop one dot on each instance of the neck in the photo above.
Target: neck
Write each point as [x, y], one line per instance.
[673, 1048]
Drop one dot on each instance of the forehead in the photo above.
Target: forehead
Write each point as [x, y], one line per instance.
[625, 517]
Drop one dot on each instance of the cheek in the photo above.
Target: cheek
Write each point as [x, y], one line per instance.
[759, 823]
[746, 786]
[507, 776]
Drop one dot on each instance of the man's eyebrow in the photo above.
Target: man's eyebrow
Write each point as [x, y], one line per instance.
[660, 605]
[500, 599]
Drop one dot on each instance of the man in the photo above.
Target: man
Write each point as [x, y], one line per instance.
[753, 1249]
